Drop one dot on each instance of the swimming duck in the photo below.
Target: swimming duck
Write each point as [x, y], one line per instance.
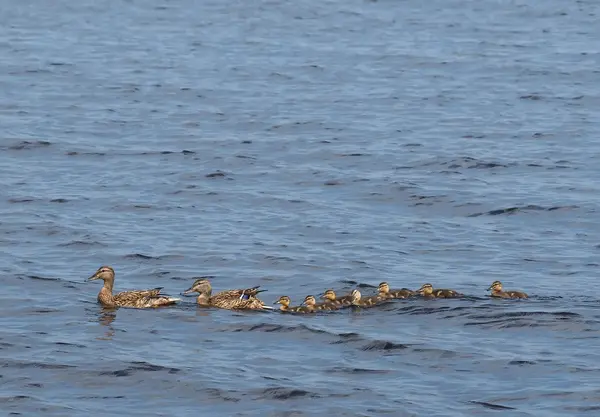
[239, 299]
[136, 299]
[496, 288]
[384, 291]
[285, 302]
[360, 301]
[311, 301]
[330, 298]
[428, 291]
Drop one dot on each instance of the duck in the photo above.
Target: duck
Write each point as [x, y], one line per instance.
[238, 299]
[384, 291]
[359, 301]
[150, 298]
[311, 301]
[428, 291]
[285, 302]
[496, 289]
[330, 298]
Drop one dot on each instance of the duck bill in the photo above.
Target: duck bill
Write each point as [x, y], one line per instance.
[93, 277]
[490, 288]
[188, 291]
[277, 302]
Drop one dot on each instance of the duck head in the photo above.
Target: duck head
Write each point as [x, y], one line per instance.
[201, 286]
[383, 288]
[105, 273]
[329, 295]
[309, 301]
[356, 296]
[426, 289]
[284, 300]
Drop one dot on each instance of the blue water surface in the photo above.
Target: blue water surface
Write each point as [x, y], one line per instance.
[300, 146]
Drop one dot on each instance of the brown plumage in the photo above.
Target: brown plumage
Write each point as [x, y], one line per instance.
[330, 298]
[497, 291]
[285, 302]
[137, 299]
[428, 291]
[384, 291]
[360, 301]
[239, 299]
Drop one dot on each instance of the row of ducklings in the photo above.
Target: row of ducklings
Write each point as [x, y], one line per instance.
[384, 295]
[246, 299]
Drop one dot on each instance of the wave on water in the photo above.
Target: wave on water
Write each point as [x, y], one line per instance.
[137, 367]
[522, 209]
[20, 145]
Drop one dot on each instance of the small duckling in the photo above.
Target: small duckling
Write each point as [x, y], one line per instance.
[496, 288]
[428, 291]
[384, 291]
[285, 302]
[360, 301]
[312, 302]
[330, 298]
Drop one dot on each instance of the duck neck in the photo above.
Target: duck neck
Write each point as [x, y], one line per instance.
[105, 297]
[203, 298]
[108, 285]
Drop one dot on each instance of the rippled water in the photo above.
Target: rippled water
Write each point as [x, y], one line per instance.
[300, 146]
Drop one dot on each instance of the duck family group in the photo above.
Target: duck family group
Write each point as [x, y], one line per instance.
[246, 299]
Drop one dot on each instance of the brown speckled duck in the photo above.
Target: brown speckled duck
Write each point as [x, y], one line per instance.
[285, 302]
[239, 299]
[360, 301]
[497, 291]
[384, 291]
[330, 298]
[428, 291]
[137, 299]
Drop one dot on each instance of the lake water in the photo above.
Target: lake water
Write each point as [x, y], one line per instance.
[300, 146]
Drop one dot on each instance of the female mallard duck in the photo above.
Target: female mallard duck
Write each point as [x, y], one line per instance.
[136, 299]
[343, 301]
[240, 299]
[428, 291]
[360, 301]
[384, 291]
[496, 288]
[285, 302]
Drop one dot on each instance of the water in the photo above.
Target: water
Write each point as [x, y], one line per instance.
[300, 146]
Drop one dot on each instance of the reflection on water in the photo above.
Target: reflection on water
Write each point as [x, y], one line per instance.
[106, 318]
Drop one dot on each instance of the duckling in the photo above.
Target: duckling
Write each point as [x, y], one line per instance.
[239, 299]
[384, 291]
[496, 288]
[285, 302]
[330, 298]
[428, 291]
[310, 301]
[136, 299]
[360, 301]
